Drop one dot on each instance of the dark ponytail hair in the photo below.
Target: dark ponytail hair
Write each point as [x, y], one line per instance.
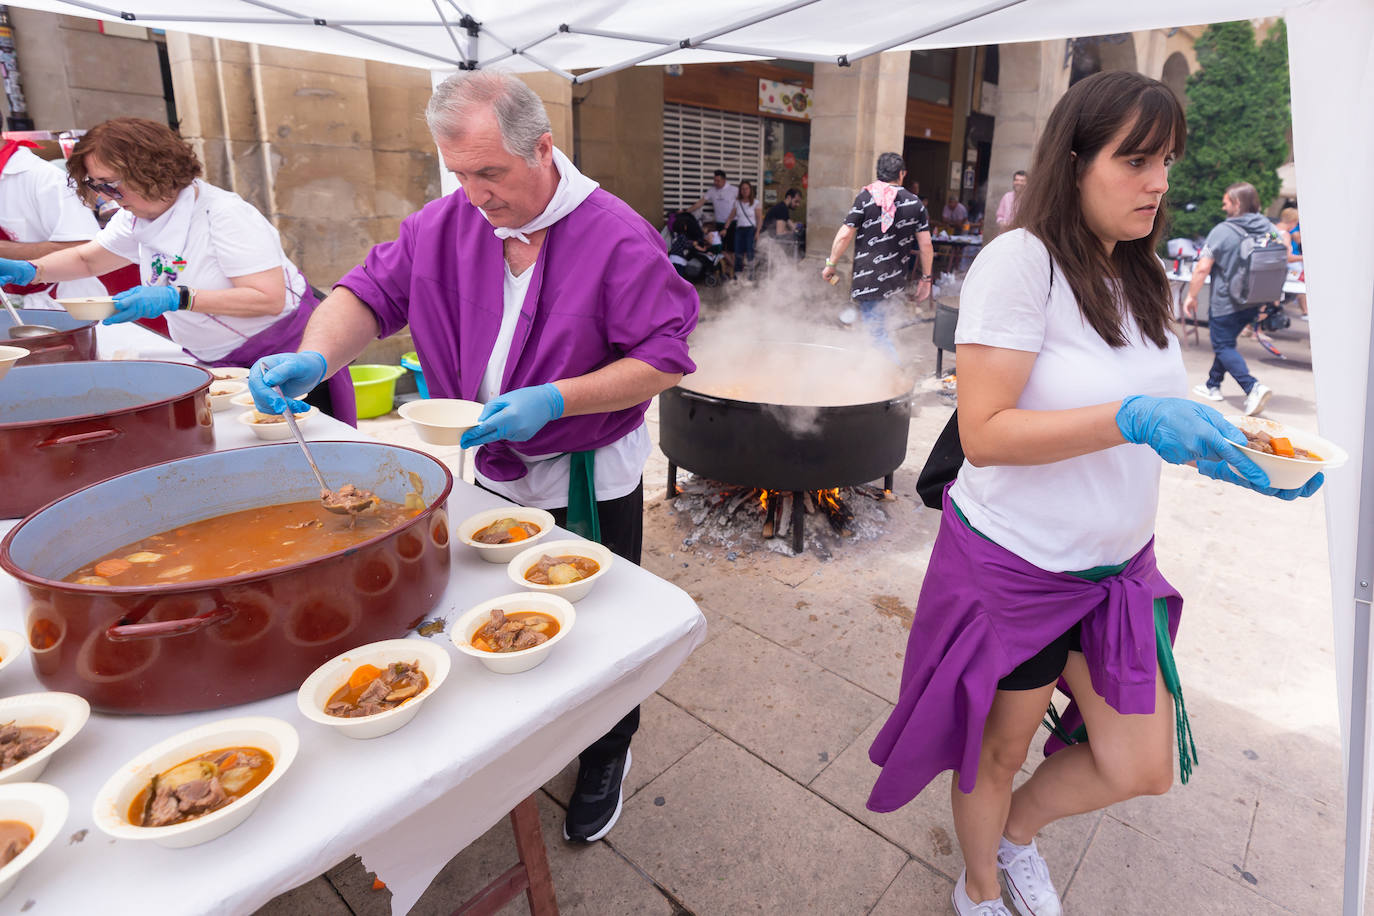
[1082, 124]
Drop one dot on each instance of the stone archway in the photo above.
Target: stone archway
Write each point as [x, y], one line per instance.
[1175, 75]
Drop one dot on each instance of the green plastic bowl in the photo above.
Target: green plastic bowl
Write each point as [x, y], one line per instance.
[374, 388]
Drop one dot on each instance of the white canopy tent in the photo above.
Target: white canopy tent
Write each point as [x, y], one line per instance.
[1331, 57]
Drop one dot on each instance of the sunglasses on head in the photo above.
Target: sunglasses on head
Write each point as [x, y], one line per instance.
[109, 189]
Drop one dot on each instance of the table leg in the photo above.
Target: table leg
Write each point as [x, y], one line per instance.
[530, 875]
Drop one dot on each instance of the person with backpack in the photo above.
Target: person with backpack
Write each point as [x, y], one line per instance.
[1251, 263]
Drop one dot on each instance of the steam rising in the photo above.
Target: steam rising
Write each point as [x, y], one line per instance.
[780, 342]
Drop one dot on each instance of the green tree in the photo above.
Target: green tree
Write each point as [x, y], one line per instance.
[1239, 118]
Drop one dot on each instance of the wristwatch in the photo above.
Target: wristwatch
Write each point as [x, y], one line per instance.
[183, 298]
[927, 277]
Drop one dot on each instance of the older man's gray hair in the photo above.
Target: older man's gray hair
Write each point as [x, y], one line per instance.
[890, 167]
[519, 113]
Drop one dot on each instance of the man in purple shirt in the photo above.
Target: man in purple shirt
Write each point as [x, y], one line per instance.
[546, 298]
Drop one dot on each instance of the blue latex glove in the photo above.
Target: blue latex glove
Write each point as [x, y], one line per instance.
[1181, 431]
[294, 373]
[1220, 470]
[20, 273]
[515, 415]
[143, 302]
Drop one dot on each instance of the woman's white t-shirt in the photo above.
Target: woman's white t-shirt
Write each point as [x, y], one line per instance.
[206, 237]
[1094, 510]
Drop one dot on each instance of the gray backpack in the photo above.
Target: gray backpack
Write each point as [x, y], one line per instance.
[1261, 268]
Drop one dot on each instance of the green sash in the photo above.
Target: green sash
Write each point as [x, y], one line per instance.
[582, 515]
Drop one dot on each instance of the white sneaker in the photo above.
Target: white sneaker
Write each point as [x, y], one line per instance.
[964, 906]
[1256, 399]
[1028, 880]
[1203, 390]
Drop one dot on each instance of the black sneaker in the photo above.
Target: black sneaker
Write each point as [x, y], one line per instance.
[595, 804]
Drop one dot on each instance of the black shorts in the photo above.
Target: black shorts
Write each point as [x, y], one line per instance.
[728, 239]
[1045, 666]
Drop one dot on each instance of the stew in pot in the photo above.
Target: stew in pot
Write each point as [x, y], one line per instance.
[249, 541]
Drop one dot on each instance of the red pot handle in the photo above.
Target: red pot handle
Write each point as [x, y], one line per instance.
[121, 632]
[95, 435]
[58, 348]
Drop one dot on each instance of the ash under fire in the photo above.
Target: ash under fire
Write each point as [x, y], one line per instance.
[737, 519]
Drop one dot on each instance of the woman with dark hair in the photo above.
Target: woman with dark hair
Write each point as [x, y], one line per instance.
[210, 263]
[745, 217]
[1043, 570]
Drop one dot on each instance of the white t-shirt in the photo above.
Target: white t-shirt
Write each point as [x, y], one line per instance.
[722, 201]
[1094, 510]
[618, 467]
[206, 237]
[37, 205]
[745, 213]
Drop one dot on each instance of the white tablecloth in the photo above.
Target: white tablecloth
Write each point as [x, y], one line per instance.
[406, 802]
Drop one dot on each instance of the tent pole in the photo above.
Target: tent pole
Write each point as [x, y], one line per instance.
[1356, 795]
[941, 26]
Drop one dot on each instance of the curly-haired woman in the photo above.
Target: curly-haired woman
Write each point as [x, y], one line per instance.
[211, 264]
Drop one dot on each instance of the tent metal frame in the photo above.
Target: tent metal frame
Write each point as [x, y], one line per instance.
[467, 57]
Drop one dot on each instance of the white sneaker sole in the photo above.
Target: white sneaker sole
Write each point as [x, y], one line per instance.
[1259, 407]
[619, 803]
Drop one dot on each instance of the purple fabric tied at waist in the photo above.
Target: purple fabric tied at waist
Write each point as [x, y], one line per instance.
[982, 612]
[285, 337]
[602, 289]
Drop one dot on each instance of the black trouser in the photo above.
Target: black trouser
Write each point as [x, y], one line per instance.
[622, 533]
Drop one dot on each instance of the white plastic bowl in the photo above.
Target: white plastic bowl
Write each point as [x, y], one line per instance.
[9, 356]
[1290, 473]
[229, 373]
[244, 400]
[44, 809]
[504, 553]
[474, 618]
[65, 712]
[112, 802]
[12, 645]
[89, 308]
[273, 432]
[328, 678]
[230, 389]
[573, 591]
[441, 421]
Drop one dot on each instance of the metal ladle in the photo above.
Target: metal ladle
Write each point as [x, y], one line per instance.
[21, 330]
[332, 502]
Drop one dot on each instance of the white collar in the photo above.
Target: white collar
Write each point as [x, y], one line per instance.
[573, 188]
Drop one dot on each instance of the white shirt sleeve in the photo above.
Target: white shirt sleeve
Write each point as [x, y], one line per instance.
[118, 236]
[1004, 300]
[243, 240]
[67, 218]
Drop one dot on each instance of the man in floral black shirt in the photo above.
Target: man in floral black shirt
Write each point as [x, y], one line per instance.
[891, 226]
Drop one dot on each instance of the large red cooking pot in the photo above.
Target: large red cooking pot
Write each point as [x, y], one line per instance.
[72, 339]
[216, 643]
[65, 425]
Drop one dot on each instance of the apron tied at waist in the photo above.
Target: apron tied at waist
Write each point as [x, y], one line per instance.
[583, 518]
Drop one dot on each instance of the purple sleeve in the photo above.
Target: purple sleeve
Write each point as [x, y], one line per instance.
[382, 281]
[651, 312]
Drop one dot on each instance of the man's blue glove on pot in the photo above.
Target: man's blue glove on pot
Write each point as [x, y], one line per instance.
[1180, 431]
[294, 373]
[516, 415]
[143, 302]
[19, 273]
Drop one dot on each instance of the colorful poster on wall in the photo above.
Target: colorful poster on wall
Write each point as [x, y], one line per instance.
[785, 98]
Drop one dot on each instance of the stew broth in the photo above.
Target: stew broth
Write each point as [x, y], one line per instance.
[15, 836]
[204, 783]
[561, 570]
[515, 631]
[370, 690]
[248, 541]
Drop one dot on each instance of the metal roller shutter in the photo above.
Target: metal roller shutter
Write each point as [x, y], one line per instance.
[697, 141]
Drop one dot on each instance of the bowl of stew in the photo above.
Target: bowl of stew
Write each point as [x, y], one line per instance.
[31, 817]
[197, 785]
[1290, 457]
[513, 633]
[34, 727]
[373, 690]
[272, 426]
[222, 393]
[499, 534]
[567, 569]
[229, 373]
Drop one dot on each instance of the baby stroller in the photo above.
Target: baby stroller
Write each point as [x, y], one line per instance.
[688, 253]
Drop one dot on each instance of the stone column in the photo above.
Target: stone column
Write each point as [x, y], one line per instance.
[860, 112]
[1032, 77]
[556, 94]
[613, 147]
